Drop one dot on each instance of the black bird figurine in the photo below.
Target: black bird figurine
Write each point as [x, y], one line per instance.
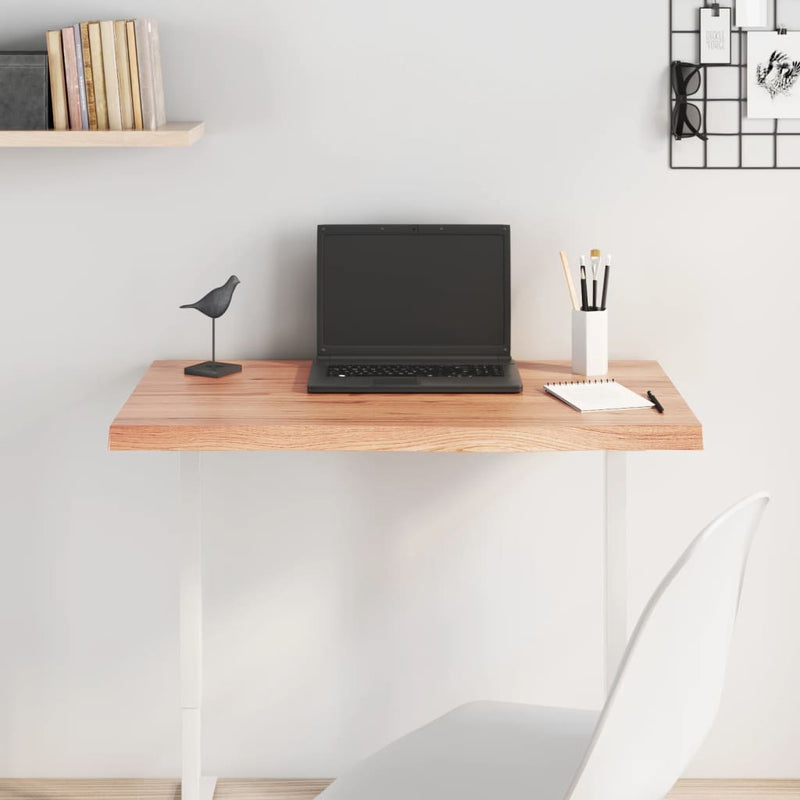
[214, 305]
[216, 302]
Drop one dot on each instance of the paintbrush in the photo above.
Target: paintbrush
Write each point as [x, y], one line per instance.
[595, 271]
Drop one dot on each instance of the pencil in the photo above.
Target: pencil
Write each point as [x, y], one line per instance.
[570, 285]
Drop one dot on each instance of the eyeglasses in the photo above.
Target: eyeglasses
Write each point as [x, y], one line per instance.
[687, 121]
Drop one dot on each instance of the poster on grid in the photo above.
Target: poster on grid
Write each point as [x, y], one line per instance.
[773, 75]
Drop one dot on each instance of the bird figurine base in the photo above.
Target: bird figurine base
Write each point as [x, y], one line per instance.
[212, 369]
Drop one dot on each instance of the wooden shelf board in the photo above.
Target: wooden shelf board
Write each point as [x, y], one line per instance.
[258, 789]
[173, 134]
[266, 407]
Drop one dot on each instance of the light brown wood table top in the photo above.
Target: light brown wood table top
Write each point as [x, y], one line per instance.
[266, 407]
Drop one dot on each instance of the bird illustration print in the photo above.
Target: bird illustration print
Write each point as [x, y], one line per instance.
[779, 75]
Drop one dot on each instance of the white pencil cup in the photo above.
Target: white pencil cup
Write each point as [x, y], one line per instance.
[590, 342]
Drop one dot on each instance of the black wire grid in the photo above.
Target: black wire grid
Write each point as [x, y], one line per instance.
[731, 144]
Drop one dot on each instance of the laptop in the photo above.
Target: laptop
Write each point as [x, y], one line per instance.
[413, 308]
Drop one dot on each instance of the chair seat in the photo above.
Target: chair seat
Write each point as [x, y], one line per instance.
[478, 751]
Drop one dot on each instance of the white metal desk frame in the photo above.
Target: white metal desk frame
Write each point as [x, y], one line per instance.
[196, 787]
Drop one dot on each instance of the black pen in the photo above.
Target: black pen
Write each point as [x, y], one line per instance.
[584, 293]
[654, 400]
[605, 283]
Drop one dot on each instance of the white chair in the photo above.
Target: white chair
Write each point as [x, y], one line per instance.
[659, 710]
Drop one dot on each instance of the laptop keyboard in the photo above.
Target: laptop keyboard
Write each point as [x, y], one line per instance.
[416, 371]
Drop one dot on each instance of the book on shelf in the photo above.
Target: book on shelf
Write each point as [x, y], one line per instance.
[136, 93]
[98, 73]
[106, 75]
[71, 73]
[88, 72]
[58, 82]
[158, 78]
[123, 74]
[76, 30]
[144, 53]
[112, 81]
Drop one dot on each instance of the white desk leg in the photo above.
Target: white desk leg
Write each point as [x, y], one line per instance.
[615, 563]
[193, 786]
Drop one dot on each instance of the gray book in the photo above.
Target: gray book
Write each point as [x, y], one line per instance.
[24, 91]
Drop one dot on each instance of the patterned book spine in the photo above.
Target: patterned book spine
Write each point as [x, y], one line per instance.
[134, 65]
[71, 74]
[81, 78]
[98, 73]
[88, 72]
[123, 74]
[58, 83]
[144, 55]
[110, 69]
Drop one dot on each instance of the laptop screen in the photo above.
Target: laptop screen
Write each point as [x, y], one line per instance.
[413, 289]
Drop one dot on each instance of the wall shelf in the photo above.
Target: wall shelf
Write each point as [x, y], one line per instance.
[173, 134]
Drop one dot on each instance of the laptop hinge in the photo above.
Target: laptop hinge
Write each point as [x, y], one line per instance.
[396, 359]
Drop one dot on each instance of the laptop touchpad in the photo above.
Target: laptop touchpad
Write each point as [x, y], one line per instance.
[395, 381]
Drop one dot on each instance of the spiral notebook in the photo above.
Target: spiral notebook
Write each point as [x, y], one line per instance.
[603, 394]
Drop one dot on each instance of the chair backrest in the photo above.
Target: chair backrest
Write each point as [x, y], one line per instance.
[667, 690]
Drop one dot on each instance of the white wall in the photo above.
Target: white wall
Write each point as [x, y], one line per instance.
[352, 596]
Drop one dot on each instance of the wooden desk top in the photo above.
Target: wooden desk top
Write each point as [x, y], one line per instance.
[266, 407]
